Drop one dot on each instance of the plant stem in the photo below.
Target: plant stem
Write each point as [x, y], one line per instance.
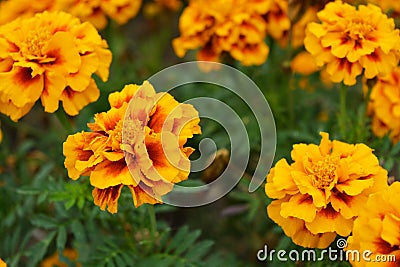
[62, 118]
[153, 222]
[343, 120]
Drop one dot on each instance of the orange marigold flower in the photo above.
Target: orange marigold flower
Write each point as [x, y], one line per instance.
[384, 105]
[303, 63]
[149, 174]
[54, 260]
[234, 26]
[320, 194]
[50, 56]
[278, 22]
[349, 41]
[377, 229]
[97, 11]
[2, 263]
[388, 6]
[13, 9]
[94, 11]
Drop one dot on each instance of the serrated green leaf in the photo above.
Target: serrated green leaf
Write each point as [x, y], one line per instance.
[177, 239]
[28, 190]
[37, 252]
[395, 150]
[187, 242]
[44, 221]
[120, 262]
[110, 263]
[79, 231]
[61, 238]
[199, 250]
[70, 203]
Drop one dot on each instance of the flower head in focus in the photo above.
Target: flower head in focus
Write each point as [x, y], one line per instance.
[154, 136]
[377, 229]
[320, 194]
[51, 57]
[384, 106]
[352, 41]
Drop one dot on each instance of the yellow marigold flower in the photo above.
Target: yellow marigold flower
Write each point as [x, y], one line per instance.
[303, 63]
[278, 22]
[54, 260]
[13, 9]
[384, 105]
[377, 229]
[2, 263]
[233, 26]
[152, 9]
[388, 5]
[321, 193]
[94, 11]
[50, 56]
[100, 153]
[349, 41]
[97, 11]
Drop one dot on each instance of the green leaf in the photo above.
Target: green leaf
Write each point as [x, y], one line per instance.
[187, 242]
[44, 221]
[61, 238]
[199, 250]
[177, 239]
[37, 252]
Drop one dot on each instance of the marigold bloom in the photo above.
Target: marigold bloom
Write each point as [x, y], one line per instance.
[54, 260]
[388, 5]
[349, 41]
[234, 26]
[321, 193]
[13, 9]
[97, 11]
[50, 56]
[2, 263]
[384, 106]
[278, 22]
[377, 229]
[303, 63]
[94, 11]
[100, 153]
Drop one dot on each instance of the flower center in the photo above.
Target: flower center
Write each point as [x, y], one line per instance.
[358, 29]
[35, 41]
[324, 172]
[116, 134]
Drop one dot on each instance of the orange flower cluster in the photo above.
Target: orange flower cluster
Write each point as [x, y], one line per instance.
[238, 27]
[94, 11]
[349, 41]
[321, 193]
[51, 56]
[157, 124]
[384, 106]
[377, 229]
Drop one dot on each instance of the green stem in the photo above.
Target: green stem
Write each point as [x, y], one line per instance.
[343, 119]
[62, 118]
[153, 222]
